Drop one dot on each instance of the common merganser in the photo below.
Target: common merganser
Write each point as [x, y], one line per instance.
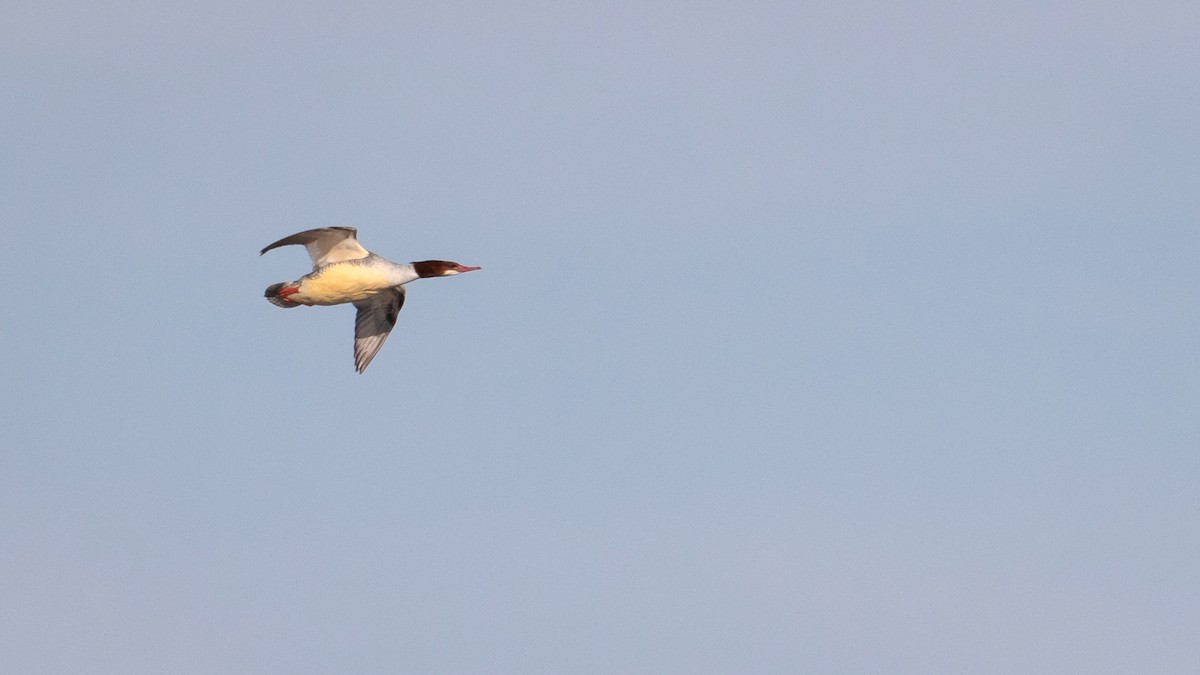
[344, 271]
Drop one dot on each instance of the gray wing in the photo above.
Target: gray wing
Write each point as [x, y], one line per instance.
[326, 245]
[375, 318]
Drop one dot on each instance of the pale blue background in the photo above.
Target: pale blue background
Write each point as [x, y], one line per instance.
[843, 337]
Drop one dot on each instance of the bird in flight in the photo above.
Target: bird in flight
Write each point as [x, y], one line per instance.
[344, 271]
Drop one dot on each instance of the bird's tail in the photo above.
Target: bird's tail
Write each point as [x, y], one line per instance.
[280, 299]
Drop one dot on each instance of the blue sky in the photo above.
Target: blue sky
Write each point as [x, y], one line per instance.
[810, 337]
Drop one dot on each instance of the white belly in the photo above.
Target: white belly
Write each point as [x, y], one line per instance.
[341, 283]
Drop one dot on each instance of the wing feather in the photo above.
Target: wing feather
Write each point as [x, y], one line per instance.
[326, 245]
[374, 321]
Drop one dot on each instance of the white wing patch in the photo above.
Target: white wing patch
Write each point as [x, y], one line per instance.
[326, 245]
[374, 321]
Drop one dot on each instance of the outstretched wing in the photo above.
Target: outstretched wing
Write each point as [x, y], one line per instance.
[375, 318]
[326, 245]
